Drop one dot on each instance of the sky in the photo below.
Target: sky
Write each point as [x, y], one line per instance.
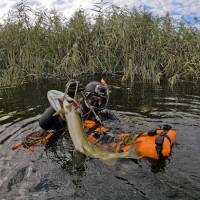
[186, 10]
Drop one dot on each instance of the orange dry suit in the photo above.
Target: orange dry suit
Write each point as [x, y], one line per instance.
[101, 136]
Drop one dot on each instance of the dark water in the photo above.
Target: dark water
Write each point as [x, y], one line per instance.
[55, 171]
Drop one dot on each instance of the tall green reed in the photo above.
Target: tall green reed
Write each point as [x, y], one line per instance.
[134, 44]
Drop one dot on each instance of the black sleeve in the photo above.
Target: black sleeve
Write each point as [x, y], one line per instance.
[50, 122]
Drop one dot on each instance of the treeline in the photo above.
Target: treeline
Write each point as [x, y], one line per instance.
[133, 44]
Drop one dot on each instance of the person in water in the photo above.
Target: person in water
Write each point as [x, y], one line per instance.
[94, 112]
[93, 101]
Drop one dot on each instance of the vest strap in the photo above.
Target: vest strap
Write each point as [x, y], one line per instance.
[160, 140]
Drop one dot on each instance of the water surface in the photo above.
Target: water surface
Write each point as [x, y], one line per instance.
[56, 171]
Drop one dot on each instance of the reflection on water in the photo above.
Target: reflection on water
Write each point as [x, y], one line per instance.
[60, 150]
[158, 165]
[56, 171]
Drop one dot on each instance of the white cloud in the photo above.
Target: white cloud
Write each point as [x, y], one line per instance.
[183, 7]
[68, 7]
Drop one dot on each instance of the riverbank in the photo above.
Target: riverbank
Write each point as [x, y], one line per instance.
[134, 44]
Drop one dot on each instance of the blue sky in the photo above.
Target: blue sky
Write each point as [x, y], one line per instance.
[179, 9]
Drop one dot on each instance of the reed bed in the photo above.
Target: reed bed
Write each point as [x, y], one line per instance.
[133, 44]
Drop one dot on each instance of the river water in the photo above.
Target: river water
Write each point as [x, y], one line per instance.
[56, 171]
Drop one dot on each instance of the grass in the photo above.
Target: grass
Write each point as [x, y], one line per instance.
[134, 44]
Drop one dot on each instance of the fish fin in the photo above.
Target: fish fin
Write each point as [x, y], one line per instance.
[110, 162]
[61, 111]
[132, 154]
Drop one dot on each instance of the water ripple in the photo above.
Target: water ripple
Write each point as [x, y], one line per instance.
[56, 171]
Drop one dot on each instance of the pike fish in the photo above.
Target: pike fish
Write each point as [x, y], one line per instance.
[79, 138]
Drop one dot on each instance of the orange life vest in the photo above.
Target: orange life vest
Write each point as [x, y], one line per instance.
[152, 144]
[155, 144]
